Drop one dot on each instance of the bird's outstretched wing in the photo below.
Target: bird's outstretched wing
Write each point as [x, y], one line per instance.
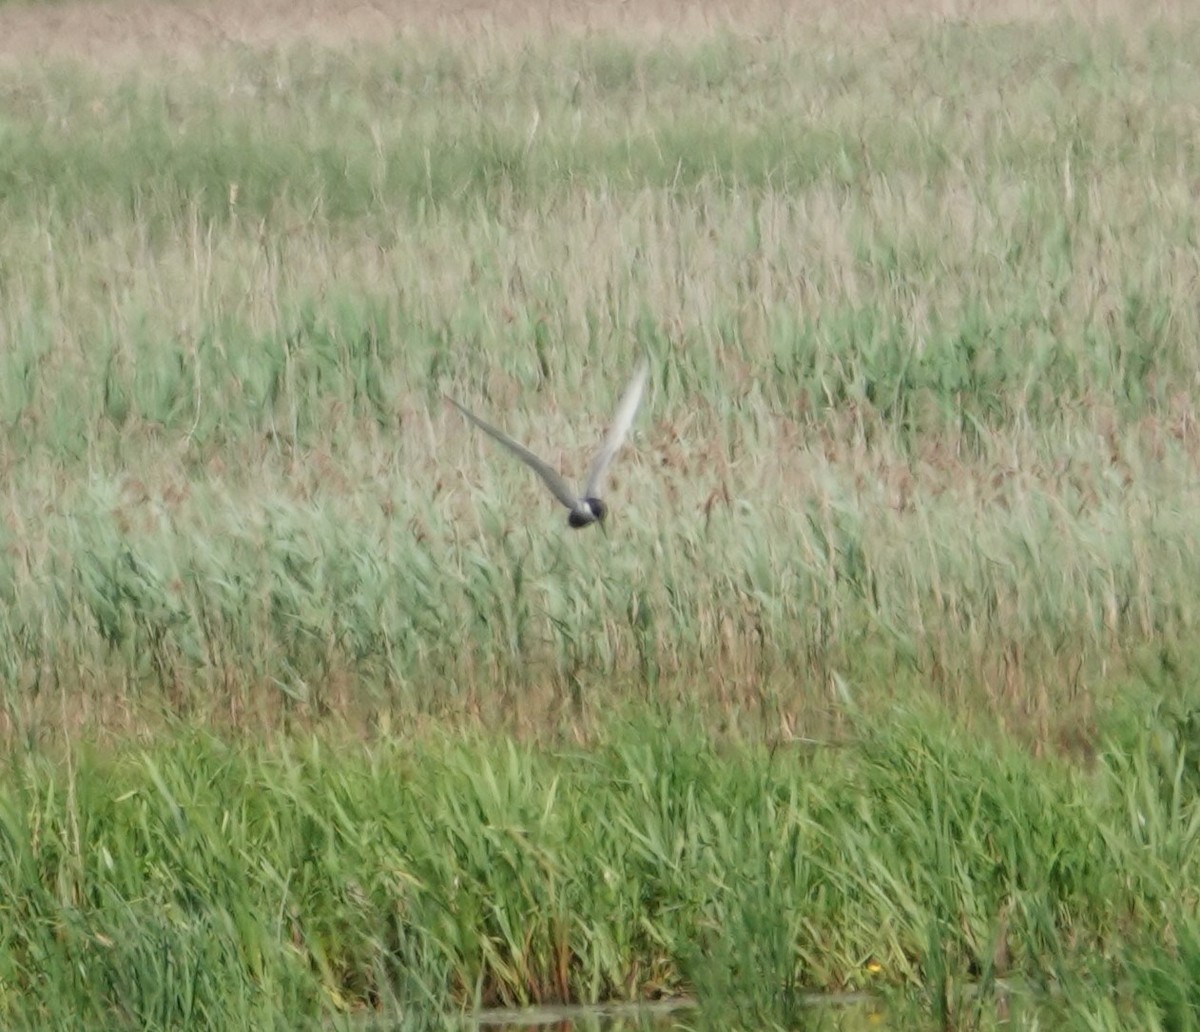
[549, 475]
[616, 433]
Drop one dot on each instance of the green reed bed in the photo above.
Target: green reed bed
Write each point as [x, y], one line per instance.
[203, 881]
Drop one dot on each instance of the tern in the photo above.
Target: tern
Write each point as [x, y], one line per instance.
[587, 508]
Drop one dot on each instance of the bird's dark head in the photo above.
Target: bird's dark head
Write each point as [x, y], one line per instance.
[591, 511]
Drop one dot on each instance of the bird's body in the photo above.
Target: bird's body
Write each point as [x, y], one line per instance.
[586, 508]
[590, 510]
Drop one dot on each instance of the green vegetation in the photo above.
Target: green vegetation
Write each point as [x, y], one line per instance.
[923, 382]
[199, 882]
[916, 475]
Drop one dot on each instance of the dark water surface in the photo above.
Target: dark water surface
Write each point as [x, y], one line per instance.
[848, 1012]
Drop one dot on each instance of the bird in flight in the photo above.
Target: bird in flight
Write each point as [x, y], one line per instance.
[587, 508]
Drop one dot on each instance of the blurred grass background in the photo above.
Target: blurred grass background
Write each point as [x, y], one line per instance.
[922, 314]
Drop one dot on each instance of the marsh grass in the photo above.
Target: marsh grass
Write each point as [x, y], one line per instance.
[173, 884]
[920, 309]
[915, 480]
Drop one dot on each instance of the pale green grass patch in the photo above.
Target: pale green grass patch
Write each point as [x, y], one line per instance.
[923, 337]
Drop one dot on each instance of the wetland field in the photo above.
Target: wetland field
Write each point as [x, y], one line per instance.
[883, 675]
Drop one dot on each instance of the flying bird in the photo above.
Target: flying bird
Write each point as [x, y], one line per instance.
[587, 508]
